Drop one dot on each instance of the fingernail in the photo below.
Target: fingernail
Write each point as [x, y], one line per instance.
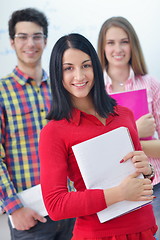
[122, 161]
[154, 197]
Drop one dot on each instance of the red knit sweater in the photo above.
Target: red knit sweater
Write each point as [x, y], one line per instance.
[58, 162]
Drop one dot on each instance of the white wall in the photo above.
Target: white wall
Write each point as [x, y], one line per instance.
[86, 17]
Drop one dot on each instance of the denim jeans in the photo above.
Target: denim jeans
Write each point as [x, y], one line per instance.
[51, 230]
[156, 207]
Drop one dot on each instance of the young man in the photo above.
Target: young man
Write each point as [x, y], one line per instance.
[24, 102]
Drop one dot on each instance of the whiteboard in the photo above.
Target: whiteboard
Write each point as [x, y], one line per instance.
[86, 18]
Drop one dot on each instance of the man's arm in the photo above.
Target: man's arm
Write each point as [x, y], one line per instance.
[8, 197]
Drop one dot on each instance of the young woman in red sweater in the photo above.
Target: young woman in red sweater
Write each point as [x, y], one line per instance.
[81, 110]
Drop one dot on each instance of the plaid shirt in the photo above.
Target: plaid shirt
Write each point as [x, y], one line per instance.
[23, 108]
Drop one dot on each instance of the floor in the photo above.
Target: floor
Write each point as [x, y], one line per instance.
[4, 230]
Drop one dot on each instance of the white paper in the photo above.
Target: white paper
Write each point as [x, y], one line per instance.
[32, 198]
[99, 162]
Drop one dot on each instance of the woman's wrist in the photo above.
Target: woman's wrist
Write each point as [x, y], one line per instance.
[113, 195]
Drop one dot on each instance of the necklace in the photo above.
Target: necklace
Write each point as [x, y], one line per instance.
[121, 84]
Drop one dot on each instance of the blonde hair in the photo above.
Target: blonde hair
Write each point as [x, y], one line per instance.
[137, 61]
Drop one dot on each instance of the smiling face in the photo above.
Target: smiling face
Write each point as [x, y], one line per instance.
[117, 47]
[28, 52]
[78, 76]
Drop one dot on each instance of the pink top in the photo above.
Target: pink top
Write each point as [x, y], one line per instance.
[152, 87]
[58, 162]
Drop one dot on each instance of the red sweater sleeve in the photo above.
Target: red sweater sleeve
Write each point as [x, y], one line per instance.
[60, 203]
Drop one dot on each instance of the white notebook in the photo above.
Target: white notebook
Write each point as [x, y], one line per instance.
[99, 162]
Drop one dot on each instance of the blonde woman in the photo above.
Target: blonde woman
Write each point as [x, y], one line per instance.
[124, 69]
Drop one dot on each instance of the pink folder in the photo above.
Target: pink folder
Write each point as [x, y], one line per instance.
[135, 100]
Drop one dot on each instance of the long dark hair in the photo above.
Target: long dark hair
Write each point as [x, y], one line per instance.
[62, 106]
